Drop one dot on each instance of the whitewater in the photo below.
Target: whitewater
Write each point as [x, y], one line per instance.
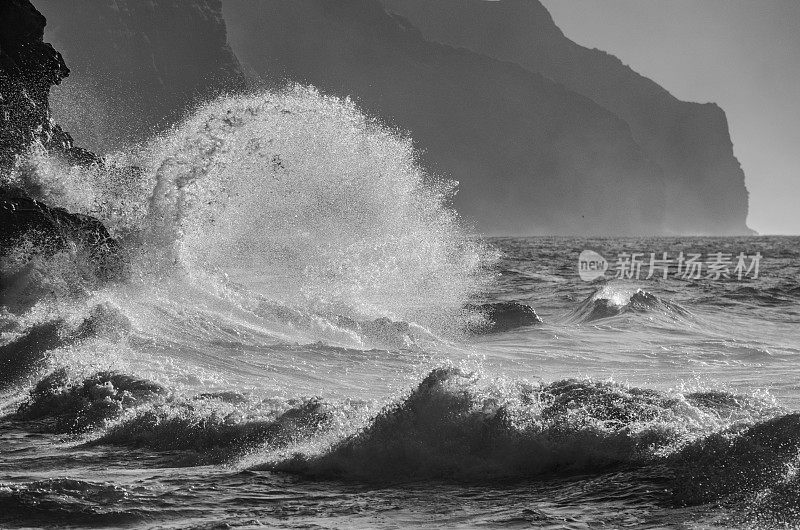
[300, 331]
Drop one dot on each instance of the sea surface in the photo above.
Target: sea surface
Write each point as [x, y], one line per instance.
[303, 334]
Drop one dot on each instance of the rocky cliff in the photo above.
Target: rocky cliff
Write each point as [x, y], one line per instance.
[137, 66]
[29, 67]
[544, 136]
[690, 142]
[531, 156]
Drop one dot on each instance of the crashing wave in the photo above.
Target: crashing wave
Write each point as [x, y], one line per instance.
[701, 447]
[214, 434]
[289, 201]
[60, 405]
[450, 427]
[26, 351]
[119, 409]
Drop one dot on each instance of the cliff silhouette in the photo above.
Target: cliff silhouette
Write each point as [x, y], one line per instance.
[690, 142]
[530, 155]
[543, 135]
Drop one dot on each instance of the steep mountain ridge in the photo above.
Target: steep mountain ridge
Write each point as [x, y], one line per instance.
[690, 141]
[544, 136]
[530, 155]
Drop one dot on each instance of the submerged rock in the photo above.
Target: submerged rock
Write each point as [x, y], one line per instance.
[503, 316]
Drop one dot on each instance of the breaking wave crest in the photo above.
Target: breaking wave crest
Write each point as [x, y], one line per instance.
[329, 207]
[698, 447]
[453, 426]
[613, 300]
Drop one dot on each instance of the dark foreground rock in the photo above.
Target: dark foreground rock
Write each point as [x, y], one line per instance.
[54, 229]
[29, 67]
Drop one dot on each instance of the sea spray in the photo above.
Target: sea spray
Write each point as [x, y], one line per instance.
[319, 205]
[323, 219]
[296, 194]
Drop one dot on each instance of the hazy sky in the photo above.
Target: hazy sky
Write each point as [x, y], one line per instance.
[742, 54]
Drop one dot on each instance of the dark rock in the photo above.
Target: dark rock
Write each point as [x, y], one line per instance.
[28, 68]
[56, 229]
[503, 316]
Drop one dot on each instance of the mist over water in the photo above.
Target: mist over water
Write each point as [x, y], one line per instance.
[292, 335]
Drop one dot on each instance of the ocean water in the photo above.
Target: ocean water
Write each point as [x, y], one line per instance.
[301, 335]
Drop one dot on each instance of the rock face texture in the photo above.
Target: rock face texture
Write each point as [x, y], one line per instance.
[56, 228]
[29, 67]
[137, 66]
[690, 142]
[530, 155]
